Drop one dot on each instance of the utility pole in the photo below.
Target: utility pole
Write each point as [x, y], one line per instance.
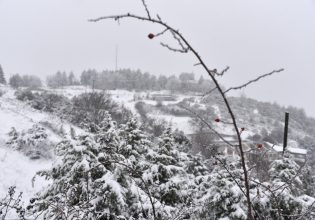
[116, 58]
[286, 128]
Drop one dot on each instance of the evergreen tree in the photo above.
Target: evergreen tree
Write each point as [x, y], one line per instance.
[2, 77]
[134, 141]
[119, 173]
[225, 199]
[285, 197]
[308, 180]
[167, 175]
[285, 179]
[16, 81]
[82, 187]
[71, 79]
[91, 181]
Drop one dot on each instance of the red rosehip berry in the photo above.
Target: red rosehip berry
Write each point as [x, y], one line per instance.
[217, 120]
[259, 146]
[151, 36]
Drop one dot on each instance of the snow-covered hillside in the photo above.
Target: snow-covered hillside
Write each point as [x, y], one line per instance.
[16, 168]
[130, 98]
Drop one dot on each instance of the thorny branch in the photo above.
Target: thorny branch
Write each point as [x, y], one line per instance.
[223, 71]
[212, 74]
[235, 180]
[179, 41]
[208, 125]
[254, 80]
[146, 8]
[209, 92]
[215, 73]
[174, 49]
[161, 33]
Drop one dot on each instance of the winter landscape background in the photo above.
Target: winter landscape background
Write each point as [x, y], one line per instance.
[87, 132]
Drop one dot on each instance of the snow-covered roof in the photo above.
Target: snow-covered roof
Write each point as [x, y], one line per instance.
[293, 150]
[297, 150]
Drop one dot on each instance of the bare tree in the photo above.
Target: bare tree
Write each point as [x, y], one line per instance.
[185, 47]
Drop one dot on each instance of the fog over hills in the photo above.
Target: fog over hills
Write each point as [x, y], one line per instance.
[252, 37]
[157, 110]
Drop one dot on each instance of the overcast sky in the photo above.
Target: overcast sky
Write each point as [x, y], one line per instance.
[251, 36]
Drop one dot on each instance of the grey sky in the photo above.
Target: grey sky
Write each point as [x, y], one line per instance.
[251, 36]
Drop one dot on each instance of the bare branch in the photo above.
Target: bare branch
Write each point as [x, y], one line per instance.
[208, 125]
[174, 49]
[212, 73]
[161, 33]
[220, 90]
[254, 80]
[158, 16]
[223, 71]
[178, 40]
[146, 8]
[209, 92]
[235, 180]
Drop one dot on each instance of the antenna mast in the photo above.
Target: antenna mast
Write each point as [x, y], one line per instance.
[116, 58]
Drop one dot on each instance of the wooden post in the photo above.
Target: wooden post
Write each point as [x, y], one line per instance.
[286, 128]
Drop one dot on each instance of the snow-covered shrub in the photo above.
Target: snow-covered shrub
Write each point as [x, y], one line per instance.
[150, 124]
[283, 196]
[286, 182]
[45, 101]
[12, 203]
[33, 142]
[140, 107]
[90, 181]
[224, 198]
[120, 174]
[55, 128]
[24, 95]
[89, 110]
[50, 102]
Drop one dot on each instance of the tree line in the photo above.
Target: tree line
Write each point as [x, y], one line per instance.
[109, 80]
[137, 80]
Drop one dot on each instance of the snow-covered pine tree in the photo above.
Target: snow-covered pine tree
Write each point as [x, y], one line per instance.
[224, 198]
[168, 178]
[82, 188]
[91, 180]
[165, 160]
[119, 173]
[134, 141]
[288, 199]
[2, 77]
[308, 180]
